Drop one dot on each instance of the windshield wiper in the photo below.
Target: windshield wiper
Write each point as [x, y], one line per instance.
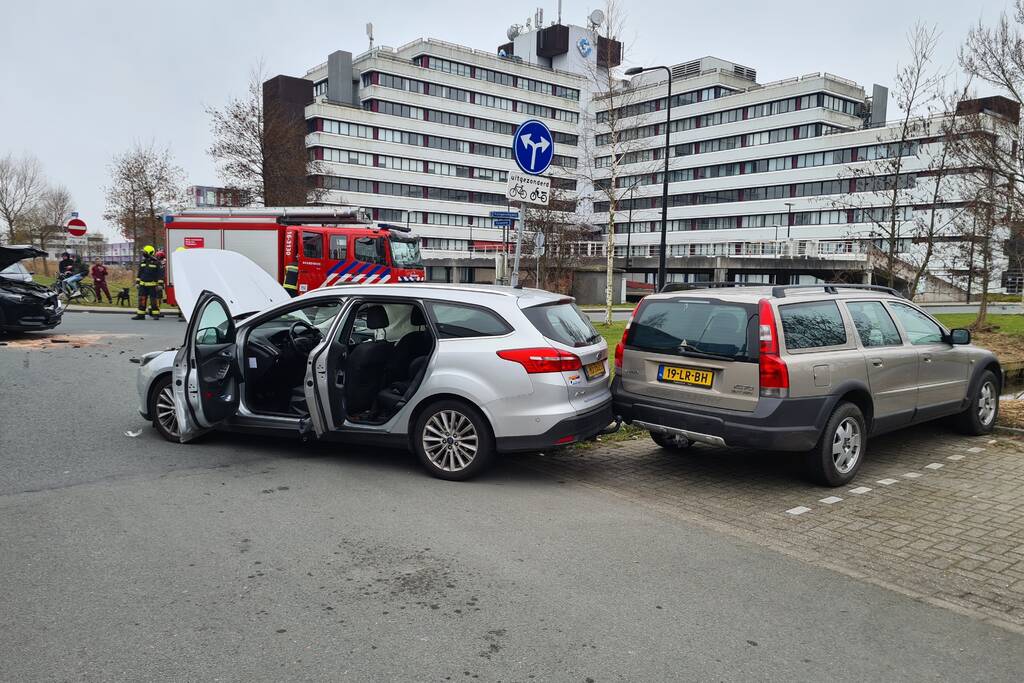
[694, 351]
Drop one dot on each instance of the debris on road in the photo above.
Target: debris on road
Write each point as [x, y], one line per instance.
[132, 434]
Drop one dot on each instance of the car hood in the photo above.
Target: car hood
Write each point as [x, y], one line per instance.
[11, 255]
[243, 285]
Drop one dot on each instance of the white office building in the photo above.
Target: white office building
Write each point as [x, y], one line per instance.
[421, 135]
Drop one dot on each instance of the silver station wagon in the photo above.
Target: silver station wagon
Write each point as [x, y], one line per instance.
[813, 368]
[456, 374]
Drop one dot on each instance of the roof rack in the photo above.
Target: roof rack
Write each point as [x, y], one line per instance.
[687, 286]
[779, 291]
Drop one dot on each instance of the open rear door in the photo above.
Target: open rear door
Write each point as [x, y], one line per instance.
[206, 370]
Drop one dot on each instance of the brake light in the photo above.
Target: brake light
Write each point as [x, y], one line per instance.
[621, 346]
[772, 370]
[542, 359]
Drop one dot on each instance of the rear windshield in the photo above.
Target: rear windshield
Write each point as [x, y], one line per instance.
[563, 323]
[695, 328]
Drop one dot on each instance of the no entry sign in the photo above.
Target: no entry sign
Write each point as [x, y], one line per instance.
[76, 227]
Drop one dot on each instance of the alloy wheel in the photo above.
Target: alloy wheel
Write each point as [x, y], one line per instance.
[846, 445]
[450, 440]
[987, 403]
[165, 414]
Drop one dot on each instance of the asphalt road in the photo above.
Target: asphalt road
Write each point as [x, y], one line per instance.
[252, 559]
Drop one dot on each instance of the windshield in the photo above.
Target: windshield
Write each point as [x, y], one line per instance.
[406, 253]
[564, 323]
[694, 327]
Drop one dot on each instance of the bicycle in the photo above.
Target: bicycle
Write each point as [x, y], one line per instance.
[69, 293]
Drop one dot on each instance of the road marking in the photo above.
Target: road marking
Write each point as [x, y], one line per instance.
[831, 500]
[975, 449]
[859, 490]
[888, 482]
[912, 475]
[798, 510]
[958, 456]
[933, 466]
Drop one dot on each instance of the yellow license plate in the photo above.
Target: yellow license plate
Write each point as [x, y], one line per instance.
[691, 376]
[594, 369]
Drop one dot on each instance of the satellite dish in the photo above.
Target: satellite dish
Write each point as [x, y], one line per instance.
[597, 17]
[513, 31]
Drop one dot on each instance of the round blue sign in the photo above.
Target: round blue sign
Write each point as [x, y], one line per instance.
[533, 147]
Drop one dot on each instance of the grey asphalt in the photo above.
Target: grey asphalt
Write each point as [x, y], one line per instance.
[252, 559]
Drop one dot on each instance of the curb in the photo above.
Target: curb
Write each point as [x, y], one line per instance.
[101, 309]
[1008, 430]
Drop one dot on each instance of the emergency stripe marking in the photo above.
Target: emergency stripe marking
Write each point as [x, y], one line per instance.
[366, 273]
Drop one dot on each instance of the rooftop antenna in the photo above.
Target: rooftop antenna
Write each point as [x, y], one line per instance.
[559, 22]
[596, 18]
[369, 33]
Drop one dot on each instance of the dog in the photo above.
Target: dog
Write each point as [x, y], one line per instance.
[124, 297]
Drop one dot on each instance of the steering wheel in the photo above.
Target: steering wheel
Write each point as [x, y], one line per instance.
[300, 341]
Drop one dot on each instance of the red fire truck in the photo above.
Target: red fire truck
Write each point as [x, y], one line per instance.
[330, 245]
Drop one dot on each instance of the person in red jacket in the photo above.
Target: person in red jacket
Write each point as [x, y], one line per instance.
[99, 280]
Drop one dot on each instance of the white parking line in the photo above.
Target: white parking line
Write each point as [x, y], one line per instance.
[859, 490]
[912, 475]
[933, 466]
[798, 510]
[958, 456]
[887, 482]
[831, 500]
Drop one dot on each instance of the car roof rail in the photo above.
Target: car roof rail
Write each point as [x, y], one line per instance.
[779, 291]
[687, 286]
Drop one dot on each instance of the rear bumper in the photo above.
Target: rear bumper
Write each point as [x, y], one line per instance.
[791, 424]
[579, 427]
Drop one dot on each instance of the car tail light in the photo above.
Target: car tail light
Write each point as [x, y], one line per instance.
[621, 346]
[542, 359]
[774, 375]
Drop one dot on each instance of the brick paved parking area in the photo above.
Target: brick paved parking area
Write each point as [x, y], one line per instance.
[932, 514]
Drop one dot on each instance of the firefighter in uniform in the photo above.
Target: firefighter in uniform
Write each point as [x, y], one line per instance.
[150, 281]
[291, 278]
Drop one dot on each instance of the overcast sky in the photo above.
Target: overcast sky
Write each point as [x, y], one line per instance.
[80, 81]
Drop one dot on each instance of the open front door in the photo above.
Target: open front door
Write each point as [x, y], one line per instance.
[206, 371]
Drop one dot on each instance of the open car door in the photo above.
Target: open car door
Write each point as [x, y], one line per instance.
[206, 371]
[325, 377]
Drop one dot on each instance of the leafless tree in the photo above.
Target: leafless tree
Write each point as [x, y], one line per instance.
[559, 258]
[21, 185]
[47, 220]
[260, 148]
[612, 97]
[885, 179]
[145, 183]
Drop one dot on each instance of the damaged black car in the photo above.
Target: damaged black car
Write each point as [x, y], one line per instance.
[26, 306]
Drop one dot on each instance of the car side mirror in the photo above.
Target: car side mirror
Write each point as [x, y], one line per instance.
[959, 336]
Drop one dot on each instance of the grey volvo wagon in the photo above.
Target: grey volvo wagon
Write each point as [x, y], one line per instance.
[812, 368]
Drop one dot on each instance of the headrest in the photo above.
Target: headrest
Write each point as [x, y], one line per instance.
[376, 318]
[417, 318]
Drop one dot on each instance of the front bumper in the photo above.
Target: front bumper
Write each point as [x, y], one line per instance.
[24, 317]
[790, 424]
[570, 430]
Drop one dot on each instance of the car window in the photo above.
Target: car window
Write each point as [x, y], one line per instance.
[920, 328]
[874, 326]
[312, 245]
[812, 325]
[685, 327]
[213, 325]
[368, 249]
[455, 321]
[339, 248]
[563, 323]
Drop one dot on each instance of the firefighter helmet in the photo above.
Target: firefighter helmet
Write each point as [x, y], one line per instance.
[148, 249]
[160, 254]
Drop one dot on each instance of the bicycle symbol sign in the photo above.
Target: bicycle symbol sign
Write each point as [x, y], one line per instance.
[533, 147]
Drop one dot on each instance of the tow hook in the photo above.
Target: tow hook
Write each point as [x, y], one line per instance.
[612, 428]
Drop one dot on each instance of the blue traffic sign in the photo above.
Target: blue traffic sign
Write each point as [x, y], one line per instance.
[514, 215]
[502, 222]
[533, 147]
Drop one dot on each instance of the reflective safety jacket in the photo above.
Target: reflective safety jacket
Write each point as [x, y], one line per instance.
[151, 273]
[291, 278]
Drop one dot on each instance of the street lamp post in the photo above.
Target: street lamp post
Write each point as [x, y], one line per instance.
[664, 181]
[789, 218]
[629, 230]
